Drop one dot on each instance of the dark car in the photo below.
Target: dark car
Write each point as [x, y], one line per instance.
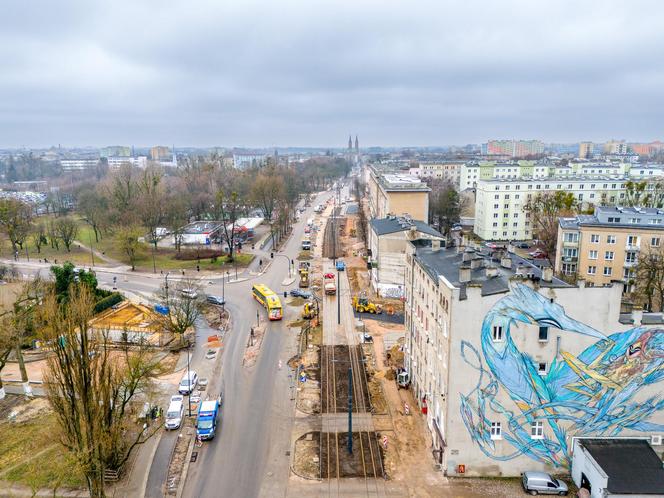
[215, 300]
[300, 293]
[523, 245]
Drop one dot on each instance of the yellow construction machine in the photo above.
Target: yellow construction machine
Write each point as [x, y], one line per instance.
[309, 310]
[361, 304]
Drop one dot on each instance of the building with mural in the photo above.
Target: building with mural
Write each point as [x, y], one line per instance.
[511, 364]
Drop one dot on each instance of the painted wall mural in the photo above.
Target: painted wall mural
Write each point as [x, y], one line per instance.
[589, 394]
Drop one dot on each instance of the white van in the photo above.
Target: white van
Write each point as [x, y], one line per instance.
[175, 412]
[188, 382]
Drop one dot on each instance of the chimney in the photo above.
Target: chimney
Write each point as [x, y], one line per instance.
[467, 255]
[547, 274]
[476, 263]
[464, 274]
[637, 315]
[435, 245]
[461, 248]
[491, 271]
[506, 262]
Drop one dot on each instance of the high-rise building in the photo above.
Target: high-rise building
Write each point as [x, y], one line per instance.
[586, 150]
[115, 151]
[515, 148]
[615, 147]
[159, 153]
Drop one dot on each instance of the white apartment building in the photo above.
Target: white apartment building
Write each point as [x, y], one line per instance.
[116, 162]
[499, 213]
[512, 363]
[446, 170]
[78, 164]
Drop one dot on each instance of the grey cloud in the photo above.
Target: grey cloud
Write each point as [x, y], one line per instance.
[307, 73]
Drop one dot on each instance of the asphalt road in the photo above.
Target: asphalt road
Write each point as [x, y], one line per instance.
[243, 461]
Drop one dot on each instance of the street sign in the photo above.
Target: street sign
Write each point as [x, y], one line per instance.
[384, 442]
[303, 377]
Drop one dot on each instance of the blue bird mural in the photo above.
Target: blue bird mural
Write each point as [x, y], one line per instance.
[589, 394]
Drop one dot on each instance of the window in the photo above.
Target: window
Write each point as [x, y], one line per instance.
[594, 238]
[542, 368]
[496, 430]
[592, 254]
[592, 270]
[654, 241]
[569, 268]
[571, 236]
[544, 334]
[495, 215]
[608, 255]
[630, 257]
[614, 220]
[495, 206]
[497, 333]
[610, 239]
[495, 224]
[537, 430]
[633, 240]
[608, 271]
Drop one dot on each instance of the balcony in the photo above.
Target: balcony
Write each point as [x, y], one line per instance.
[631, 264]
[567, 243]
[632, 247]
[570, 259]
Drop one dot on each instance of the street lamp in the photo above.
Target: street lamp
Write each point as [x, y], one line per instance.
[188, 380]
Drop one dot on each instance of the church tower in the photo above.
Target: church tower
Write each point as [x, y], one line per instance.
[357, 145]
[350, 143]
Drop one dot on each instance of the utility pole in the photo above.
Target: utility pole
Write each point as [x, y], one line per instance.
[188, 381]
[350, 411]
[338, 298]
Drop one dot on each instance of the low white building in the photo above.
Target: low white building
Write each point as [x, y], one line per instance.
[388, 242]
[618, 468]
[116, 162]
[510, 363]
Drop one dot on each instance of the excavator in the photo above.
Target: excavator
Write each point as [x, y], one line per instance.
[361, 304]
[309, 310]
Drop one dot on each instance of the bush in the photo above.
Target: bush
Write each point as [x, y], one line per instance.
[109, 301]
[204, 253]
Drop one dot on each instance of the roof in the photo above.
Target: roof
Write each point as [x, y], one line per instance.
[632, 466]
[127, 315]
[446, 262]
[393, 224]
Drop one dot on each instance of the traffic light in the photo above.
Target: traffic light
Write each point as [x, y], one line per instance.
[271, 255]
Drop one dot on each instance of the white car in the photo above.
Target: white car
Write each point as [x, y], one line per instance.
[188, 382]
[175, 412]
[189, 293]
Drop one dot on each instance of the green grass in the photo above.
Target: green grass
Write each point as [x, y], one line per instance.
[20, 441]
[77, 255]
[164, 258]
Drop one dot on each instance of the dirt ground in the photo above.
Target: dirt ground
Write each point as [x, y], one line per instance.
[178, 458]
[253, 347]
[306, 459]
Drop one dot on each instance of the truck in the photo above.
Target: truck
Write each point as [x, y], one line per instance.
[306, 244]
[206, 423]
[330, 285]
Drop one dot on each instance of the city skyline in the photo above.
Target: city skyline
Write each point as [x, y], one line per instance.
[260, 74]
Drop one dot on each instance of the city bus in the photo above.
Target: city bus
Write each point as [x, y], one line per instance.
[269, 300]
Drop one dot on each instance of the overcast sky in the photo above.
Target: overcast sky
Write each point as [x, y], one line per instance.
[308, 72]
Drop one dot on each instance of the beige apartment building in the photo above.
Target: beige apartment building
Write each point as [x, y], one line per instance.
[397, 194]
[511, 364]
[604, 247]
[446, 170]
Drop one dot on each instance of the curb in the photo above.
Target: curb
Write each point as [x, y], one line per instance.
[185, 470]
[144, 484]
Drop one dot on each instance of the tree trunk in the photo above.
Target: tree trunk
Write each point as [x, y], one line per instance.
[27, 390]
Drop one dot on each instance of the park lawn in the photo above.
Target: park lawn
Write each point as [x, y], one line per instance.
[53, 469]
[22, 441]
[77, 255]
[164, 258]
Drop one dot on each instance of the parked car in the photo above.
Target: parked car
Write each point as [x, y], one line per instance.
[175, 412]
[537, 483]
[189, 293]
[491, 245]
[523, 245]
[537, 253]
[300, 293]
[456, 227]
[188, 382]
[341, 266]
[215, 300]
[367, 337]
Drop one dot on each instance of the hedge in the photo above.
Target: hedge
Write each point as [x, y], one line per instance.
[109, 301]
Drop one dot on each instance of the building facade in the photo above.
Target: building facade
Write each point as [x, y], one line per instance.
[397, 194]
[444, 170]
[388, 242]
[604, 247]
[515, 148]
[499, 213]
[78, 164]
[159, 153]
[512, 364]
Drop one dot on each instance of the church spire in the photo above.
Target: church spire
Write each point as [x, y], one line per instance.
[350, 142]
[357, 145]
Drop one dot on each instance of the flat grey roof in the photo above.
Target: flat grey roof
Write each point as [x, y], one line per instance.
[393, 224]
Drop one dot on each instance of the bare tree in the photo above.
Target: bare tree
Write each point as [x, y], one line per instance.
[544, 211]
[66, 229]
[183, 300]
[127, 238]
[39, 236]
[649, 281]
[93, 391]
[95, 210]
[228, 207]
[15, 220]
